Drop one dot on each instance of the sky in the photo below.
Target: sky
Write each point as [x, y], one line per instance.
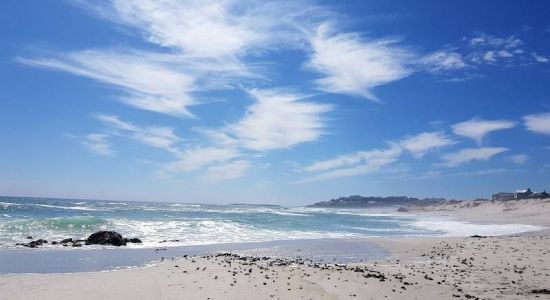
[287, 102]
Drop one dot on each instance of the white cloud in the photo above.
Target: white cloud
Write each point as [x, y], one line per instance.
[206, 28]
[218, 160]
[148, 84]
[203, 48]
[540, 58]
[485, 40]
[437, 174]
[98, 143]
[363, 162]
[539, 123]
[278, 120]
[227, 171]
[116, 122]
[519, 159]
[360, 157]
[353, 65]
[470, 154]
[505, 53]
[353, 164]
[442, 61]
[489, 56]
[487, 49]
[421, 144]
[154, 136]
[195, 159]
[477, 129]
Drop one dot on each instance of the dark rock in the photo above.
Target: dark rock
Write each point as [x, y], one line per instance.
[166, 241]
[55, 243]
[402, 209]
[541, 291]
[135, 241]
[33, 244]
[29, 237]
[478, 236]
[106, 238]
[65, 241]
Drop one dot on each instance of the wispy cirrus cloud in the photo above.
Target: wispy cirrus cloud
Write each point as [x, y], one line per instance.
[466, 56]
[194, 159]
[467, 155]
[208, 29]
[354, 65]
[539, 123]
[438, 174]
[147, 83]
[218, 161]
[519, 159]
[278, 120]
[358, 163]
[488, 49]
[477, 129]
[226, 171]
[203, 48]
[98, 144]
[373, 157]
[540, 58]
[363, 162]
[422, 143]
[443, 61]
[154, 136]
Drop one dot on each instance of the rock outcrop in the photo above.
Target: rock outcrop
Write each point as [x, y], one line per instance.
[106, 238]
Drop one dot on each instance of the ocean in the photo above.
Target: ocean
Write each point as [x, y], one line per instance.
[199, 224]
[172, 230]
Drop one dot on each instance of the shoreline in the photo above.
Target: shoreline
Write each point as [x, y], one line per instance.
[51, 260]
[510, 266]
[346, 250]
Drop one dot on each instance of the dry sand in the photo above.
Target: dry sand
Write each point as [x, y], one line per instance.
[530, 212]
[507, 267]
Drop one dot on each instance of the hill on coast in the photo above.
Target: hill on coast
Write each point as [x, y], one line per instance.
[357, 201]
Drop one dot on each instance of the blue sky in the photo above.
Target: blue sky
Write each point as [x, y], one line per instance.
[273, 101]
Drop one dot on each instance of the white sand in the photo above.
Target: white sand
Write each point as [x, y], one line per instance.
[530, 212]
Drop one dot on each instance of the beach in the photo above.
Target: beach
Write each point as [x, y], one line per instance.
[511, 267]
[515, 266]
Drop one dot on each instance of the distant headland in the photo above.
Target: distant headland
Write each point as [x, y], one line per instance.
[356, 201]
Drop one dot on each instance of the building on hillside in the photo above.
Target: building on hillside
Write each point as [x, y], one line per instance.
[503, 196]
[523, 194]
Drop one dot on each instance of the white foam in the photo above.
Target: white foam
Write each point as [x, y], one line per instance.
[68, 207]
[459, 228]
[204, 232]
[8, 204]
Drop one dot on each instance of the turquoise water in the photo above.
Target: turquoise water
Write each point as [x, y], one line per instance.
[197, 224]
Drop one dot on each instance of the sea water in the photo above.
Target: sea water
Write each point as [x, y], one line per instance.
[172, 230]
[182, 224]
